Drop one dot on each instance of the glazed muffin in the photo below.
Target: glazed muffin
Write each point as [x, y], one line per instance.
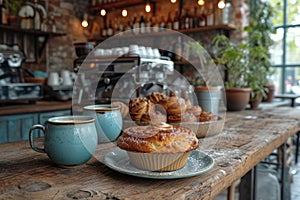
[159, 147]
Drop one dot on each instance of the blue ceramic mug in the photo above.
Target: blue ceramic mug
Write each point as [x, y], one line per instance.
[69, 140]
[108, 121]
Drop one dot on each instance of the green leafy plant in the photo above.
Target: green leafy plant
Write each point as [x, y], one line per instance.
[234, 57]
[206, 67]
[247, 63]
[259, 41]
[14, 6]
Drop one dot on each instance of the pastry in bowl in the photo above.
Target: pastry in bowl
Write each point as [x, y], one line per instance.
[158, 147]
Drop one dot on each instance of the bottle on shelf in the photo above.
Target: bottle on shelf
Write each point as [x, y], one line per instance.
[191, 25]
[128, 26]
[93, 2]
[210, 15]
[176, 21]
[202, 17]
[116, 29]
[37, 17]
[136, 25]
[142, 24]
[169, 21]
[148, 24]
[185, 20]
[162, 23]
[110, 30]
[155, 24]
[3, 13]
[182, 19]
[104, 30]
[195, 19]
[51, 24]
[226, 13]
[121, 26]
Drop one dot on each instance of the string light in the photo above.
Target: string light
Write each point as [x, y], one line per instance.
[221, 4]
[124, 12]
[148, 7]
[201, 2]
[173, 1]
[102, 12]
[84, 22]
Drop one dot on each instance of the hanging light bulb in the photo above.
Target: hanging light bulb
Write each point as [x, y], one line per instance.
[173, 1]
[148, 7]
[102, 12]
[84, 22]
[201, 2]
[124, 12]
[221, 4]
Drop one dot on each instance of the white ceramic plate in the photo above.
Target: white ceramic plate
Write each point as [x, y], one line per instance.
[198, 163]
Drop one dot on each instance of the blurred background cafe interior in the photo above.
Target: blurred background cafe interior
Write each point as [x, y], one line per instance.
[43, 44]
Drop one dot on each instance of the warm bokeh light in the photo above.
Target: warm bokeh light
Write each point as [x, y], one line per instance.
[201, 2]
[102, 12]
[221, 4]
[124, 13]
[147, 8]
[173, 1]
[84, 23]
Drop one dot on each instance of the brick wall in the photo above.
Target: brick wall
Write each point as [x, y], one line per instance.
[60, 53]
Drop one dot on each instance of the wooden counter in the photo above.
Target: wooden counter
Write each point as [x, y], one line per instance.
[244, 142]
[39, 106]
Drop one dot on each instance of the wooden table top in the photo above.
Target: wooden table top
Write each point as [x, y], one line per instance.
[26, 174]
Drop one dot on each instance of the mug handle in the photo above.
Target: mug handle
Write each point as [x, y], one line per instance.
[31, 139]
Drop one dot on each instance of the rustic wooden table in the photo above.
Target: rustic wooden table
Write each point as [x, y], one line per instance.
[244, 142]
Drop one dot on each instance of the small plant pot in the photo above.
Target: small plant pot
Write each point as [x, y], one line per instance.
[254, 103]
[237, 98]
[209, 98]
[270, 93]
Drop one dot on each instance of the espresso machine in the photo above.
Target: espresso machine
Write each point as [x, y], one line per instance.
[12, 85]
[122, 74]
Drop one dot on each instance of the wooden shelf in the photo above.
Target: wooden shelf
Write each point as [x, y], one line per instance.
[227, 27]
[119, 4]
[8, 28]
[223, 27]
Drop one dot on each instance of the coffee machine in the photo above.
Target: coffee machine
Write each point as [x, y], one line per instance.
[136, 69]
[12, 85]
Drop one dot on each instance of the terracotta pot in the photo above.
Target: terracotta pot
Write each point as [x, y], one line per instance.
[254, 104]
[237, 98]
[270, 93]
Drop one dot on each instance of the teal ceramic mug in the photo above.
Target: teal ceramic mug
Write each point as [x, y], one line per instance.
[108, 121]
[69, 140]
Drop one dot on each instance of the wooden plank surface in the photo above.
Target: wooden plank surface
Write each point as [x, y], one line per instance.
[39, 106]
[25, 174]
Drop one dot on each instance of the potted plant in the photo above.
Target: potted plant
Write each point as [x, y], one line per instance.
[234, 58]
[258, 59]
[259, 41]
[13, 7]
[208, 84]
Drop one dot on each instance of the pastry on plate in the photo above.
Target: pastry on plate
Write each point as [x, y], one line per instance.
[158, 147]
